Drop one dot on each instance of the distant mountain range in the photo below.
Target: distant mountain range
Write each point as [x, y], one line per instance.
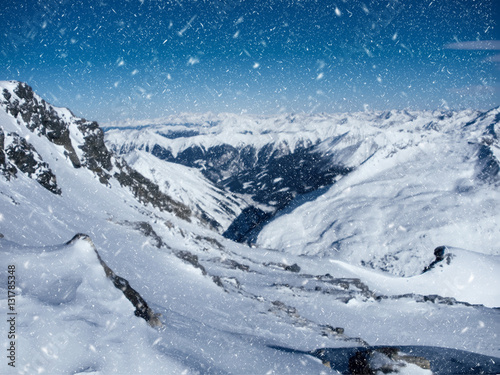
[407, 180]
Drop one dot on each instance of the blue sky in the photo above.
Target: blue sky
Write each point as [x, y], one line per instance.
[110, 60]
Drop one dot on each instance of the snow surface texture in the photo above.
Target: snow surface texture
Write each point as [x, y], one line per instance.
[226, 308]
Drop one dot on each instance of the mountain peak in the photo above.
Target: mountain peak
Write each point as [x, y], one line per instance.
[74, 140]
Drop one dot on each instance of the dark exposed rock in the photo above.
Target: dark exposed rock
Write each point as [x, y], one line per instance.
[43, 119]
[347, 284]
[440, 254]
[6, 167]
[289, 310]
[217, 280]
[341, 289]
[358, 364]
[191, 259]
[211, 223]
[40, 117]
[366, 359]
[147, 230]
[432, 298]
[226, 282]
[148, 192]
[293, 268]
[386, 360]
[22, 153]
[328, 330]
[96, 155]
[222, 281]
[235, 265]
[211, 241]
[142, 309]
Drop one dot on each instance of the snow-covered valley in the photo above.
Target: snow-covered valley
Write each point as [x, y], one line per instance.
[380, 230]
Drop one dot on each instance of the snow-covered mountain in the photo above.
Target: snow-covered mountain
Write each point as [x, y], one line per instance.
[375, 189]
[153, 287]
[416, 184]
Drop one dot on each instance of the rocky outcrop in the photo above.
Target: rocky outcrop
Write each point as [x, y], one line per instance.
[43, 119]
[23, 155]
[386, 360]
[147, 192]
[96, 155]
[62, 128]
[192, 259]
[6, 167]
[142, 309]
[147, 230]
[40, 117]
[440, 254]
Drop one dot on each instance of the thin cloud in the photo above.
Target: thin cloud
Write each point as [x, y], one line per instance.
[478, 45]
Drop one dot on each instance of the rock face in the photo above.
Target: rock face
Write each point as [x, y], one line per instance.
[440, 254]
[6, 167]
[83, 145]
[142, 309]
[40, 117]
[23, 155]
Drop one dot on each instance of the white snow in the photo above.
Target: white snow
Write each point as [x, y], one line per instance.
[412, 190]
[71, 319]
[177, 181]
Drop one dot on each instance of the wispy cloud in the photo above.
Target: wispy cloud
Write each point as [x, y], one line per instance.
[478, 45]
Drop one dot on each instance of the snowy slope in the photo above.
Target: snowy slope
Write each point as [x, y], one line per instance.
[226, 308]
[150, 248]
[70, 317]
[414, 188]
[189, 186]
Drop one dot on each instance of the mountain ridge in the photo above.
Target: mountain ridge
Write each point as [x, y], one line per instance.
[260, 155]
[62, 128]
